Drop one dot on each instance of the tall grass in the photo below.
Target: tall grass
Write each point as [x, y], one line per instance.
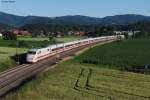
[102, 84]
[6, 64]
[120, 55]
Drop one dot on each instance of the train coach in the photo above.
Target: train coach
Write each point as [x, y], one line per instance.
[37, 54]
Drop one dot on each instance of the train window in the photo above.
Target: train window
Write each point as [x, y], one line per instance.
[53, 49]
[31, 52]
[57, 48]
[68, 45]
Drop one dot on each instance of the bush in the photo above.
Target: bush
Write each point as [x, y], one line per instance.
[7, 35]
[12, 44]
[23, 44]
[20, 44]
[6, 64]
[45, 42]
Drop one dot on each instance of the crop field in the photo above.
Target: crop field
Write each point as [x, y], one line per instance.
[75, 81]
[61, 39]
[29, 38]
[122, 55]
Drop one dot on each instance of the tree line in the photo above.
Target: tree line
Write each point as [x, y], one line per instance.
[89, 30]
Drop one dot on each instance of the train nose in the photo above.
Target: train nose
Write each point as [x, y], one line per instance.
[30, 58]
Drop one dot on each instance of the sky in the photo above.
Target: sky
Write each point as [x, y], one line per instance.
[93, 8]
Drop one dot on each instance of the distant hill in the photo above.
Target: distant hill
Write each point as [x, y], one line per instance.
[4, 27]
[124, 19]
[15, 20]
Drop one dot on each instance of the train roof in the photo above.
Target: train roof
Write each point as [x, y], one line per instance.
[61, 44]
[39, 48]
[56, 45]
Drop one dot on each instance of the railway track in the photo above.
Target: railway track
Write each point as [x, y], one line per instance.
[14, 77]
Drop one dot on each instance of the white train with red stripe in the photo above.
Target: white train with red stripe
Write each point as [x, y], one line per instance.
[38, 54]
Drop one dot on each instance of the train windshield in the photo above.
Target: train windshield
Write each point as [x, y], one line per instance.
[32, 52]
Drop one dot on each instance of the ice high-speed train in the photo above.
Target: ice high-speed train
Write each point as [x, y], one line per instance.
[37, 54]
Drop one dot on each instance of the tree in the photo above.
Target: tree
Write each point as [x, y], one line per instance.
[7, 35]
[52, 38]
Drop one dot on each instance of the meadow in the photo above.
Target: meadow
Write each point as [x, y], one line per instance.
[75, 81]
[61, 39]
[122, 55]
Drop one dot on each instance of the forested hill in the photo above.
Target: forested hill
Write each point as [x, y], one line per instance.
[5, 27]
[17, 21]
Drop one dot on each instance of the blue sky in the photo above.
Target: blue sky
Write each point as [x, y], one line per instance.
[95, 8]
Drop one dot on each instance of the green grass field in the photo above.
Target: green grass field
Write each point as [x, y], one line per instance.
[122, 55]
[74, 81]
[6, 52]
[61, 39]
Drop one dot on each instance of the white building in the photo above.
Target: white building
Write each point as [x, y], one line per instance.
[129, 33]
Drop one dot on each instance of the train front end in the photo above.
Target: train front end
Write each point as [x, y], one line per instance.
[31, 56]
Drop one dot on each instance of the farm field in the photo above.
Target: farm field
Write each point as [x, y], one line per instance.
[70, 38]
[61, 39]
[123, 55]
[75, 81]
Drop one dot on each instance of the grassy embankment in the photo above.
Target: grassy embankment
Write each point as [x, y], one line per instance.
[72, 80]
[8, 48]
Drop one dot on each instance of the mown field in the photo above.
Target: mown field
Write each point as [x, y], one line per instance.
[8, 47]
[61, 39]
[74, 81]
[123, 55]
